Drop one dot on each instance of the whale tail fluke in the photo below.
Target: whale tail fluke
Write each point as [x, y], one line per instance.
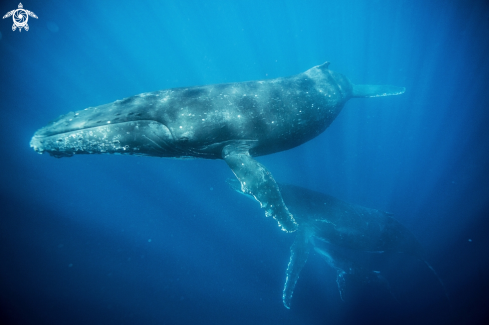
[376, 90]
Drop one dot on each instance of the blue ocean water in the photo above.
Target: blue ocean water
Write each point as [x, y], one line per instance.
[103, 239]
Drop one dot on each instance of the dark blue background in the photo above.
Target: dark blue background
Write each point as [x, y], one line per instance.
[133, 240]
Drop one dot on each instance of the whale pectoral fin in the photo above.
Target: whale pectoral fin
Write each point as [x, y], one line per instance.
[299, 251]
[258, 181]
[340, 273]
[376, 90]
[341, 282]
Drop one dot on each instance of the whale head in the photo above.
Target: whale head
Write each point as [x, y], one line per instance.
[120, 127]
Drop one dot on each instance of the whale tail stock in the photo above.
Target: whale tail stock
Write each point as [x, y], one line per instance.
[376, 90]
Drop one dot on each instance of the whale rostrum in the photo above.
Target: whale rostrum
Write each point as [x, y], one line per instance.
[234, 122]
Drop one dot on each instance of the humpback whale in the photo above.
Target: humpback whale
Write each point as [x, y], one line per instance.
[234, 122]
[342, 226]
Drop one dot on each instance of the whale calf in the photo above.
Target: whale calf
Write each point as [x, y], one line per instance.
[342, 226]
[234, 122]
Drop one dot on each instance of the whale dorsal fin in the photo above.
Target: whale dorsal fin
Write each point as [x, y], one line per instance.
[323, 66]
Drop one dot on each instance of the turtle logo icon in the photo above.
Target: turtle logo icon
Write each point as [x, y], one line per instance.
[20, 17]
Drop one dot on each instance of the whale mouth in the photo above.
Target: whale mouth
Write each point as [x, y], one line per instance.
[143, 137]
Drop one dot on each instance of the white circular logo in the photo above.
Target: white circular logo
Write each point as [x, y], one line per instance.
[20, 17]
